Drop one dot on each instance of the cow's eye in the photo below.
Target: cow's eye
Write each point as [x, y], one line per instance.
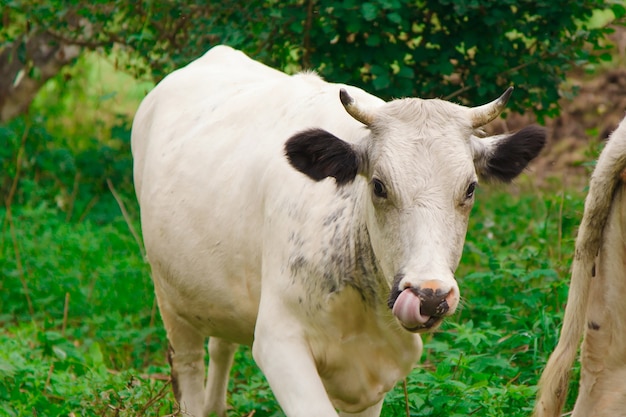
[470, 190]
[379, 188]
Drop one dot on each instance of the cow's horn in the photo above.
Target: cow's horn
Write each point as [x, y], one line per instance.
[482, 115]
[352, 107]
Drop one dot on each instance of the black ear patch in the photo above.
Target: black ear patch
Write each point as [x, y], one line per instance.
[513, 153]
[320, 154]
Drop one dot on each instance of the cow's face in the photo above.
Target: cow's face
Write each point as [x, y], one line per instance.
[421, 181]
[421, 165]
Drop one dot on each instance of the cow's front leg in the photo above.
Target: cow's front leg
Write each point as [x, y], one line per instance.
[221, 354]
[283, 355]
[186, 358]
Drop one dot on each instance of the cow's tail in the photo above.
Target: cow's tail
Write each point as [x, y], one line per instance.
[604, 180]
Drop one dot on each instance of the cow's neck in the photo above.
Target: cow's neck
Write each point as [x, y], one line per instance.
[364, 273]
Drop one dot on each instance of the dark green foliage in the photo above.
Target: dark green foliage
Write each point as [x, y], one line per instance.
[94, 275]
[54, 170]
[43, 372]
[469, 50]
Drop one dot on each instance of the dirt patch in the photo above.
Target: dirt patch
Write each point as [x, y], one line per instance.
[576, 136]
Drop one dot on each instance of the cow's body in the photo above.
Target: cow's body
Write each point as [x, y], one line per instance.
[247, 250]
[595, 303]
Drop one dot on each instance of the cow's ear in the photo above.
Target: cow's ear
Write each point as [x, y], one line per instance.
[504, 157]
[320, 154]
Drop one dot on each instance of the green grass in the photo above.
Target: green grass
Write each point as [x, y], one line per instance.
[92, 342]
[80, 330]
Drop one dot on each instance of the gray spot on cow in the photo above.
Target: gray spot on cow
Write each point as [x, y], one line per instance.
[297, 264]
[345, 194]
[339, 255]
[331, 282]
[367, 272]
[295, 240]
[334, 217]
[593, 325]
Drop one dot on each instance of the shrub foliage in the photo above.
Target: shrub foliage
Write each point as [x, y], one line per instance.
[470, 50]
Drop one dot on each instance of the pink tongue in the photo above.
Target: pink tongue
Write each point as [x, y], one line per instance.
[407, 309]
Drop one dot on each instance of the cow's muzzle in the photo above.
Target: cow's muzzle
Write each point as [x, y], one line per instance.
[421, 308]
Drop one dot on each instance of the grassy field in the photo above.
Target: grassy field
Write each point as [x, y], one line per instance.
[80, 334]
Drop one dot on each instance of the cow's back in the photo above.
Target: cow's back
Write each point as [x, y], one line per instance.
[198, 89]
[208, 149]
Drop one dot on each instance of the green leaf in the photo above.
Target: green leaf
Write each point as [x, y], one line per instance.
[296, 26]
[7, 369]
[373, 40]
[95, 354]
[60, 353]
[406, 72]
[606, 57]
[618, 10]
[378, 70]
[395, 18]
[390, 4]
[370, 11]
[381, 81]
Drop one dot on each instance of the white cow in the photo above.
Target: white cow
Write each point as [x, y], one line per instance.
[310, 220]
[595, 305]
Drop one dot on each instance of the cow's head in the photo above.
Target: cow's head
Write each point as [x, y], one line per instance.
[421, 163]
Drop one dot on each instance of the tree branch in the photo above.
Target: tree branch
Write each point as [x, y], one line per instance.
[21, 79]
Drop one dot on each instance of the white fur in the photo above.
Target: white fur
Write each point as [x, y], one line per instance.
[241, 244]
[595, 301]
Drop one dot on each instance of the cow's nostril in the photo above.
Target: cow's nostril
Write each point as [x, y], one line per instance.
[442, 308]
[434, 303]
